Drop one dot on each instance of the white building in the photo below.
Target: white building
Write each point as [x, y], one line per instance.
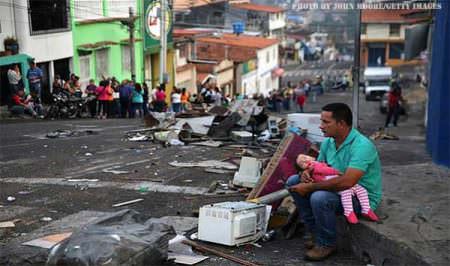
[268, 75]
[42, 32]
[270, 20]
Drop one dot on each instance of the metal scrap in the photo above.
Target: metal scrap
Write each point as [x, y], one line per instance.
[206, 164]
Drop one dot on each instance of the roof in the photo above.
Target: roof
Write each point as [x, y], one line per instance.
[259, 8]
[183, 5]
[201, 77]
[240, 41]
[387, 16]
[189, 32]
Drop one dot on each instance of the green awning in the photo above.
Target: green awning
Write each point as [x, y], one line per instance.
[14, 59]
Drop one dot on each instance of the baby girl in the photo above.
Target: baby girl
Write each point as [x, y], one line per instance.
[321, 171]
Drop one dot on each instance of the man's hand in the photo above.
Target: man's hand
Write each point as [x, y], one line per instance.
[306, 176]
[302, 188]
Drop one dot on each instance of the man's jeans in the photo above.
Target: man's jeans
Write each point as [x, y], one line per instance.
[36, 88]
[318, 211]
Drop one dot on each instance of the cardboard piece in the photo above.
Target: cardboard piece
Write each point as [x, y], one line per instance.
[182, 253]
[280, 166]
[48, 241]
[8, 224]
[197, 125]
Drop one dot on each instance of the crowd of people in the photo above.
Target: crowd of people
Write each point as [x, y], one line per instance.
[129, 99]
[294, 97]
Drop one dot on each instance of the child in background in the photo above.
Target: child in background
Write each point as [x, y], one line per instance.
[137, 100]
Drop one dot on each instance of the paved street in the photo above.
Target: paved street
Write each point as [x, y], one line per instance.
[41, 166]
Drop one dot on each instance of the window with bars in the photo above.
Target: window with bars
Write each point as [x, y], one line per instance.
[48, 16]
[87, 9]
[85, 69]
[394, 30]
[126, 61]
[102, 63]
[396, 50]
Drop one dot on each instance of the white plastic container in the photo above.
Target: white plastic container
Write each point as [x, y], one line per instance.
[249, 172]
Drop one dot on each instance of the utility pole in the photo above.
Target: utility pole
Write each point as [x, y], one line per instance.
[163, 41]
[132, 41]
[129, 22]
[356, 67]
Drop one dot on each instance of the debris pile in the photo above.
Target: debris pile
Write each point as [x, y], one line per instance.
[381, 134]
[243, 122]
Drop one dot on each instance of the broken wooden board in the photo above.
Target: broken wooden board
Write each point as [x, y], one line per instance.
[209, 143]
[279, 168]
[8, 224]
[48, 241]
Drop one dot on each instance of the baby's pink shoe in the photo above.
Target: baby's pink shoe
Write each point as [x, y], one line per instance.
[351, 218]
[371, 216]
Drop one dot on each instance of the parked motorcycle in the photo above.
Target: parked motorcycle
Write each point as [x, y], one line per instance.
[66, 106]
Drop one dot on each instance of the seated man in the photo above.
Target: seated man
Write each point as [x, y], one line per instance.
[24, 105]
[352, 154]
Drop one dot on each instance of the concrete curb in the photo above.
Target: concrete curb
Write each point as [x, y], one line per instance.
[374, 248]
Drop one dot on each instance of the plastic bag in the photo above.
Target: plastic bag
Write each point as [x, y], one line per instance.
[118, 240]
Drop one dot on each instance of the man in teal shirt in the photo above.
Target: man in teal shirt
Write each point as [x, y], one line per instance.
[350, 152]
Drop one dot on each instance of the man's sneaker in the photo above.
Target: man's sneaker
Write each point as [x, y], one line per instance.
[319, 253]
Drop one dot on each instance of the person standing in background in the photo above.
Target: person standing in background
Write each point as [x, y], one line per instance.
[14, 79]
[137, 100]
[125, 91]
[34, 76]
[176, 100]
[184, 100]
[146, 98]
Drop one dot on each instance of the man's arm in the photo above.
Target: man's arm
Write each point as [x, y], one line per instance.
[343, 182]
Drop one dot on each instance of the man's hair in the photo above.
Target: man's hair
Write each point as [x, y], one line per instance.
[340, 112]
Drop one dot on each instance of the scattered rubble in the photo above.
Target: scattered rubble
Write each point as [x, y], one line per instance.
[9, 224]
[206, 164]
[63, 133]
[381, 134]
[10, 198]
[127, 202]
[46, 219]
